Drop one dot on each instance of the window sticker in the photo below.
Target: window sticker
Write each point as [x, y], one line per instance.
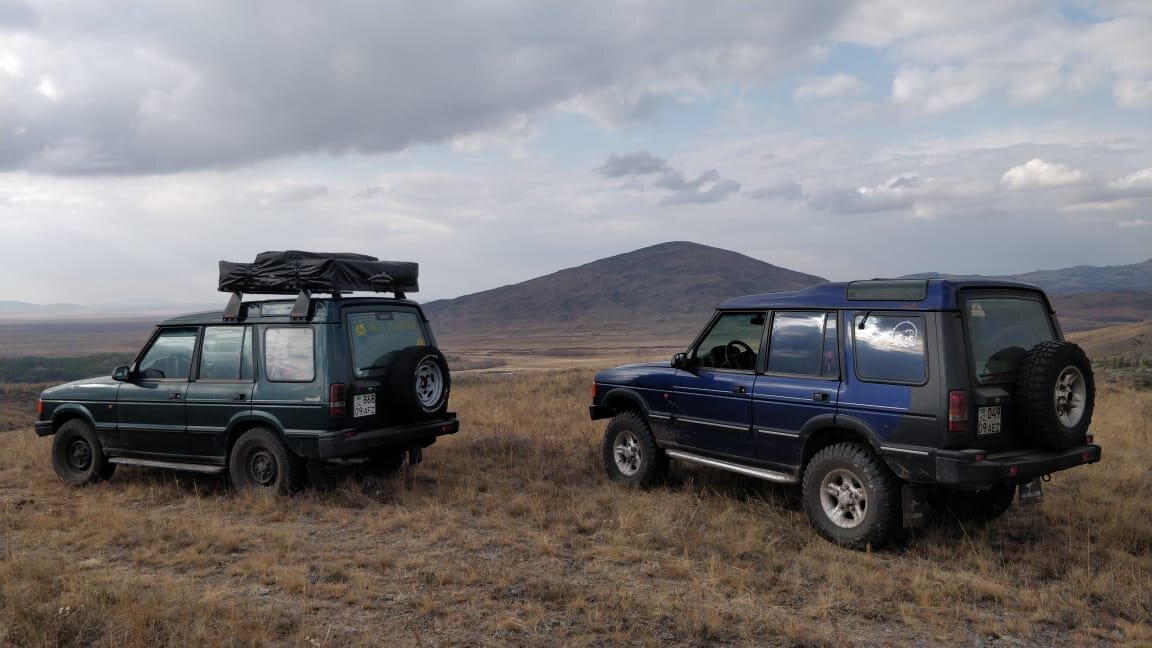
[976, 310]
[905, 335]
[361, 330]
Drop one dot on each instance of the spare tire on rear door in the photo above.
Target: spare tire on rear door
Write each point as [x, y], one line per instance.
[1055, 391]
[418, 383]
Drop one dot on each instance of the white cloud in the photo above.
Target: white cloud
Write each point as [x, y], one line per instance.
[1137, 222]
[1039, 173]
[923, 91]
[830, 87]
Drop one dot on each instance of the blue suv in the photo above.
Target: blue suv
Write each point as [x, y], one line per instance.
[881, 398]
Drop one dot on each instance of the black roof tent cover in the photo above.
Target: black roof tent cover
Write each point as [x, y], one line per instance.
[297, 272]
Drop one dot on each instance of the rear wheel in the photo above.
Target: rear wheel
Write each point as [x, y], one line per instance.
[261, 462]
[630, 453]
[851, 496]
[77, 455]
[1056, 391]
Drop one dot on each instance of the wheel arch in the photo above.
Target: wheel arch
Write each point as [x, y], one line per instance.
[824, 431]
[70, 411]
[622, 399]
[239, 426]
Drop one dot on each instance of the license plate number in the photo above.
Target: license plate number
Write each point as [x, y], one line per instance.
[988, 420]
[363, 405]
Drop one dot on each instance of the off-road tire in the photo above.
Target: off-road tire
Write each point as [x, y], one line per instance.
[419, 383]
[77, 455]
[260, 462]
[630, 453]
[851, 497]
[981, 506]
[1056, 392]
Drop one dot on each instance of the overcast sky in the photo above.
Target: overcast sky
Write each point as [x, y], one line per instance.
[494, 141]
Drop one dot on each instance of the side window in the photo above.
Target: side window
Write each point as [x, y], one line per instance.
[732, 343]
[226, 353]
[170, 356]
[796, 344]
[289, 354]
[890, 348]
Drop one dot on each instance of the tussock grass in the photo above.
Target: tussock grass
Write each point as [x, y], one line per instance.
[509, 534]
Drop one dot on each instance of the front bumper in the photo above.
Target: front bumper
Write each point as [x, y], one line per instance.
[43, 428]
[977, 469]
[350, 442]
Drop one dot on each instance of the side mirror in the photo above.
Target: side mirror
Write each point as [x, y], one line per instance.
[680, 361]
[121, 373]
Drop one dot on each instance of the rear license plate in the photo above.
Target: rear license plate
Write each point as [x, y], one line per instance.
[1031, 491]
[988, 420]
[363, 405]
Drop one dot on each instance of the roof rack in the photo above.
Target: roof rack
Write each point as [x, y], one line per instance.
[303, 273]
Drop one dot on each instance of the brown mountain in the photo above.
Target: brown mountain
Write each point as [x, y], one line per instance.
[670, 287]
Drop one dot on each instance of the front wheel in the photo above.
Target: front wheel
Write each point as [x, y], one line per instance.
[851, 497]
[261, 462]
[630, 453]
[77, 455]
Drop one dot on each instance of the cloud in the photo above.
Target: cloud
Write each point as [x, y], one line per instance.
[1137, 222]
[836, 86]
[713, 190]
[1037, 173]
[787, 190]
[929, 91]
[189, 86]
[630, 164]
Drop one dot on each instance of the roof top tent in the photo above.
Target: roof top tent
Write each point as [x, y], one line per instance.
[301, 273]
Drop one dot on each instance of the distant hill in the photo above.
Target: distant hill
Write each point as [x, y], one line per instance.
[666, 287]
[1084, 311]
[1136, 277]
[24, 308]
[1127, 339]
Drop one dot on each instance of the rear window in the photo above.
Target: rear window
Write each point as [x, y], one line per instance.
[378, 336]
[1000, 332]
[890, 348]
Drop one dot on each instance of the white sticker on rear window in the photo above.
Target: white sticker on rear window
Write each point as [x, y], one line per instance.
[363, 405]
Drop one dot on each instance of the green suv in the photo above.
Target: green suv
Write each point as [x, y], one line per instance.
[267, 390]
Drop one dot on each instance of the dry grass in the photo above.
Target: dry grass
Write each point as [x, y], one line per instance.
[508, 534]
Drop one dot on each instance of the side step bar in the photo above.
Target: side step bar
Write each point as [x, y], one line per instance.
[760, 473]
[170, 465]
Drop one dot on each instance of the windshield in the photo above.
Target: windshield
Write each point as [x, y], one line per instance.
[1002, 330]
[377, 337]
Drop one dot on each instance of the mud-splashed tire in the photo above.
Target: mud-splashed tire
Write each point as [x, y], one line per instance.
[77, 455]
[260, 462]
[630, 454]
[851, 497]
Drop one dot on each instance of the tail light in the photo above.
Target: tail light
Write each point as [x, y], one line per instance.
[336, 397]
[958, 410]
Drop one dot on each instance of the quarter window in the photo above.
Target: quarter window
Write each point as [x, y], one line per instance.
[289, 354]
[890, 348]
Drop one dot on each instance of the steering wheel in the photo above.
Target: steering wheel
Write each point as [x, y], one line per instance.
[733, 350]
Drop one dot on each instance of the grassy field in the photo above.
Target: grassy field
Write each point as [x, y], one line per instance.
[509, 534]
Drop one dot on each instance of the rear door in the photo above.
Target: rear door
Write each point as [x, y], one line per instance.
[222, 390]
[375, 336]
[800, 383]
[1001, 326]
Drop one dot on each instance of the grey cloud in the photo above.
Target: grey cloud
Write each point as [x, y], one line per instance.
[787, 190]
[16, 13]
[718, 191]
[368, 193]
[217, 83]
[675, 180]
[629, 164]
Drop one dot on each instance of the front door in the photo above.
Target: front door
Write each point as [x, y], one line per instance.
[150, 409]
[712, 401]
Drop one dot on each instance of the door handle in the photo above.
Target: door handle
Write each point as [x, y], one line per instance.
[175, 396]
[820, 397]
[239, 396]
[739, 389]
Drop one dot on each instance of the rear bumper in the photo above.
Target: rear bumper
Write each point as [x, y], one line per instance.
[350, 441]
[977, 469]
